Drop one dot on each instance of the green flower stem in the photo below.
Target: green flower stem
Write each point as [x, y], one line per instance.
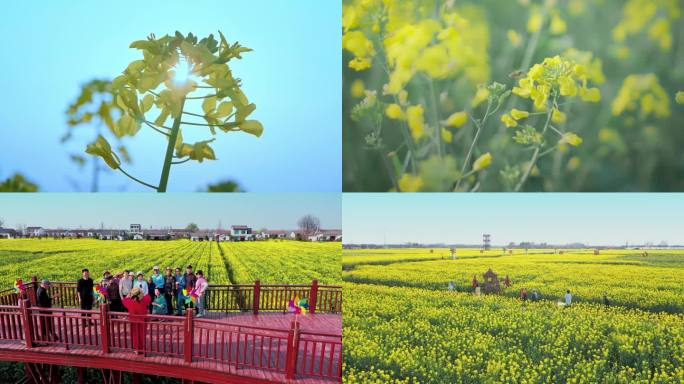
[435, 117]
[156, 129]
[163, 181]
[535, 156]
[136, 179]
[479, 126]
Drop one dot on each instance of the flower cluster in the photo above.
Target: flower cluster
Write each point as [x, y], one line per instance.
[642, 92]
[654, 15]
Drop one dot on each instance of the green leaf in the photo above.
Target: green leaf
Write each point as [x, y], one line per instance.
[146, 103]
[252, 127]
[102, 148]
[208, 105]
[224, 109]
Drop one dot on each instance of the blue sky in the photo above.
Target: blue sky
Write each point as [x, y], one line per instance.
[559, 218]
[119, 210]
[293, 76]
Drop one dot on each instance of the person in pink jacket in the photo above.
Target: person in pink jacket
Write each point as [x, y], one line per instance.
[136, 303]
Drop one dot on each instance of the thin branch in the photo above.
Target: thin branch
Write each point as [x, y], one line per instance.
[193, 114]
[230, 126]
[200, 97]
[557, 131]
[156, 129]
[535, 156]
[136, 179]
[181, 161]
[479, 126]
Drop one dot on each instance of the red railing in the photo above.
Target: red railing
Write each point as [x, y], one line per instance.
[219, 298]
[290, 352]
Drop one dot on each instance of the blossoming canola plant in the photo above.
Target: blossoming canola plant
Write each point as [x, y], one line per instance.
[418, 76]
[622, 275]
[136, 91]
[402, 325]
[413, 335]
[274, 262]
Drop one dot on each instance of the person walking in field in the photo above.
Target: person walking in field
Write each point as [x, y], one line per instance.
[136, 302]
[159, 303]
[606, 302]
[568, 298]
[84, 288]
[475, 284]
[523, 294]
[44, 300]
[141, 284]
[535, 295]
[178, 291]
[507, 282]
[169, 285]
[200, 290]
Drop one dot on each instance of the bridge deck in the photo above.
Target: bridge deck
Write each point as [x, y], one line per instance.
[317, 352]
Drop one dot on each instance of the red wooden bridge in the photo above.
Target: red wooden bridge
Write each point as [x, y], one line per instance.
[247, 337]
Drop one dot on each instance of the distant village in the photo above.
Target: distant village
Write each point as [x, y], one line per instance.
[136, 232]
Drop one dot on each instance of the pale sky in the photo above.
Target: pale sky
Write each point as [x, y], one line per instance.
[558, 218]
[119, 210]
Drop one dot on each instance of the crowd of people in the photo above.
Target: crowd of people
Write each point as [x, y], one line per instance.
[167, 292]
[159, 294]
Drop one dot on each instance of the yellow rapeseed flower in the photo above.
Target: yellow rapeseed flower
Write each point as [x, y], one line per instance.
[514, 37]
[361, 47]
[414, 115]
[482, 162]
[558, 26]
[518, 114]
[410, 183]
[642, 92]
[447, 136]
[457, 119]
[357, 88]
[509, 121]
[394, 111]
[572, 139]
[558, 117]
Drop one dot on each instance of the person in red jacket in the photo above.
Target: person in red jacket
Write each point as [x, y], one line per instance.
[136, 303]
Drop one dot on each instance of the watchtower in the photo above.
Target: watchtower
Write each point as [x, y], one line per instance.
[486, 242]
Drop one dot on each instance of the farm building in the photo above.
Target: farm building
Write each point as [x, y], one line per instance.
[7, 233]
[277, 234]
[34, 232]
[241, 233]
[327, 235]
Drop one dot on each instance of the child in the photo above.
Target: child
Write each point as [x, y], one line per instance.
[201, 286]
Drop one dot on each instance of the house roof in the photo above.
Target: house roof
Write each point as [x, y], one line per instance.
[240, 227]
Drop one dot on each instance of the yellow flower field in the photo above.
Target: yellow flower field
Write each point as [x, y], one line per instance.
[274, 262]
[403, 325]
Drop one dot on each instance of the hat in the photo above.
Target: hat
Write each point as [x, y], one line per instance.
[46, 282]
[156, 267]
[140, 273]
[136, 291]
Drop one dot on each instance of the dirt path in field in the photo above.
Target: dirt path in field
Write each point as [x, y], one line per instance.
[230, 273]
